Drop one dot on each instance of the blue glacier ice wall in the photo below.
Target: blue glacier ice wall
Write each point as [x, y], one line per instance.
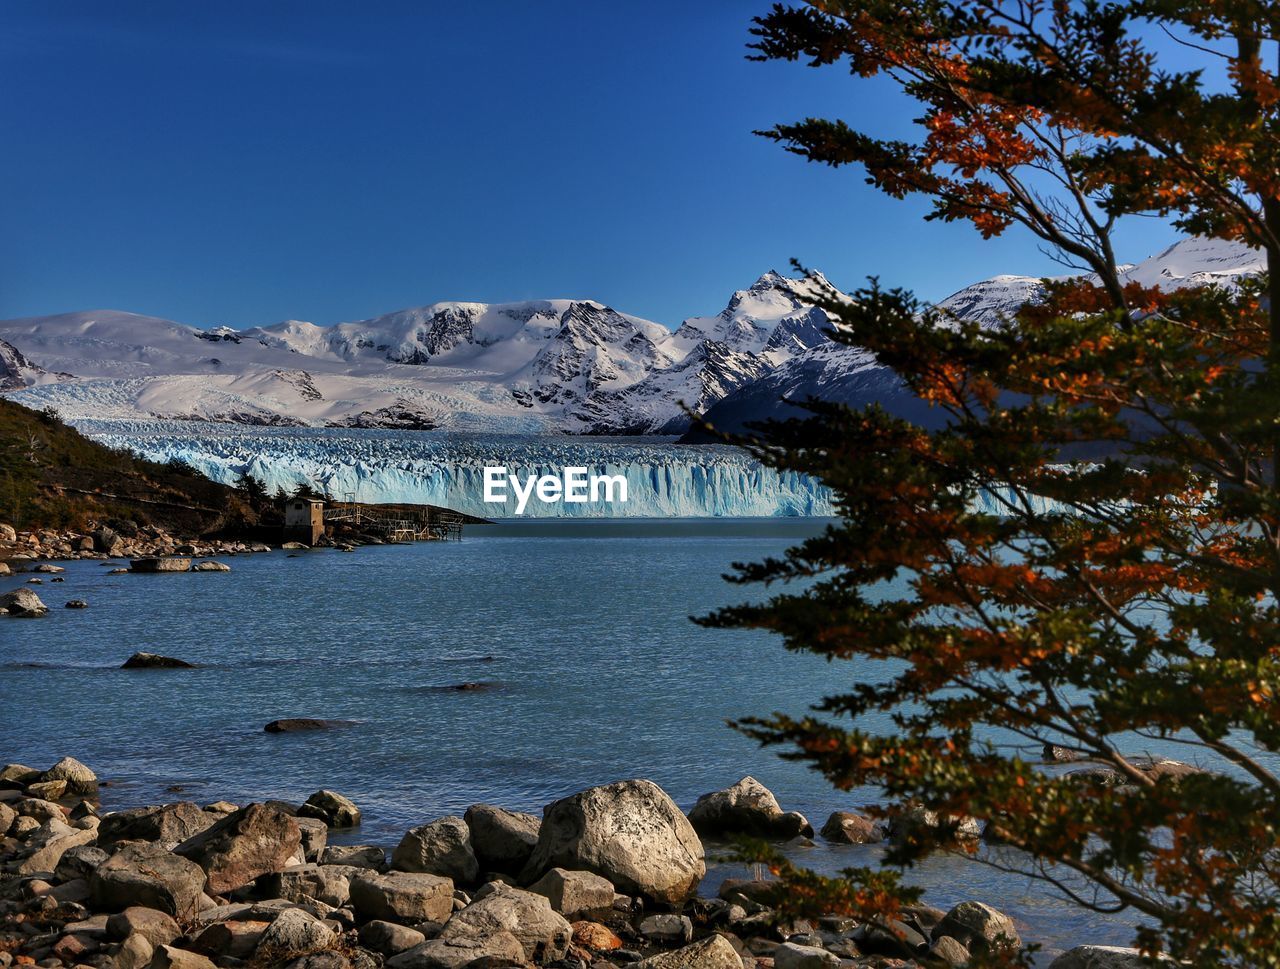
[663, 479]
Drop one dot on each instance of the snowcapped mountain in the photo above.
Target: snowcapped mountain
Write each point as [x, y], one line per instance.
[575, 366]
[538, 366]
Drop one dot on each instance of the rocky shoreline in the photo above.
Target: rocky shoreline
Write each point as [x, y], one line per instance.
[606, 877]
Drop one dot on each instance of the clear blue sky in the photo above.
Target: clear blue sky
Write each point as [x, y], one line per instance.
[244, 163]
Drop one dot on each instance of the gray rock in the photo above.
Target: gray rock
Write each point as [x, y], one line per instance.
[1102, 957]
[135, 952]
[170, 957]
[354, 856]
[324, 883]
[331, 808]
[149, 876]
[158, 564]
[544, 935]
[629, 832]
[39, 809]
[502, 840]
[499, 949]
[50, 847]
[78, 777]
[789, 955]
[402, 897]
[949, 951]
[154, 661]
[7, 816]
[979, 927]
[167, 825]
[441, 847]
[849, 828]
[230, 937]
[666, 929]
[388, 938]
[315, 837]
[153, 925]
[17, 775]
[211, 567]
[748, 807]
[713, 952]
[242, 846]
[576, 894]
[23, 603]
[294, 930]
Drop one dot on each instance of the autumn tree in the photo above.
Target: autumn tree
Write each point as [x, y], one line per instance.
[1085, 550]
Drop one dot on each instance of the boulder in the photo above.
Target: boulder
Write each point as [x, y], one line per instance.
[331, 808]
[8, 533]
[324, 883]
[170, 957]
[46, 857]
[713, 952]
[168, 825]
[154, 661]
[158, 564]
[575, 894]
[149, 876]
[849, 828]
[107, 541]
[315, 836]
[388, 938]
[916, 821]
[979, 928]
[47, 790]
[402, 897]
[543, 935]
[498, 949]
[240, 847]
[789, 955]
[1102, 957]
[440, 847]
[629, 832]
[23, 603]
[502, 840]
[149, 923]
[79, 779]
[748, 807]
[135, 952]
[595, 937]
[294, 930]
[211, 567]
[76, 604]
[39, 809]
[7, 816]
[950, 951]
[354, 856]
[666, 928]
[17, 775]
[230, 937]
[79, 861]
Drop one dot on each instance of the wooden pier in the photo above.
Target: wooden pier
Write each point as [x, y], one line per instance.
[401, 523]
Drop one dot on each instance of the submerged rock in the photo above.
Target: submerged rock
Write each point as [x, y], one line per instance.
[211, 567]
[297, 724]
[850, 828]
[158, 564]
[154, 661]
[23, 603]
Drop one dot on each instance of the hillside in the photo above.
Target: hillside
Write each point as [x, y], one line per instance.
[52, 476]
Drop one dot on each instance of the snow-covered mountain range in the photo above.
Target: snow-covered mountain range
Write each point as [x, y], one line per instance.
[541, 366]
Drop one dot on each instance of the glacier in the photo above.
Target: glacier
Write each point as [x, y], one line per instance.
[664, 479]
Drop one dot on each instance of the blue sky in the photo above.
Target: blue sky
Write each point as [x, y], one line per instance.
[243, 163]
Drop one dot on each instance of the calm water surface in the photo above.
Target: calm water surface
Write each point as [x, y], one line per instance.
[581, 628]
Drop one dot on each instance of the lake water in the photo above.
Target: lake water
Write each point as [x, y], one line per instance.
[581, 627]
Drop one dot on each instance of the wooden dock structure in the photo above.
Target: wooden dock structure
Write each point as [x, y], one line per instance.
[401, 523]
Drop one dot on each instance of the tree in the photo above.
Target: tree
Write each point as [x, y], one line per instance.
[999, 592]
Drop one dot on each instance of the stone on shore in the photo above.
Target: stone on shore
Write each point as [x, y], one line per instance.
[171, 957]
[629, 832]
[331, 808]
[154, 661]
[575, 894]
[747, 807]
[790, 955]
[354, 856]
[850, 828]
[543, 934]
[78, 861]
[979, 928]
[502, 840]
[499, 949]
[293, 931]
[79, 778]
[151, 924]
[1102, 957]
[234, 938]
[441, 847]
[160, 564]
[167, 825]
[240, 847]
[39, 809]
[135, 952]
[713, 952]
[17, 775]
[149, 876]
[324, 883]
[595, 936]
[402, 897]
[47, 856]
[388, 938]
[23, 603]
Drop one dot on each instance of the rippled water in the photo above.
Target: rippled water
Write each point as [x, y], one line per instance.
[581, 628]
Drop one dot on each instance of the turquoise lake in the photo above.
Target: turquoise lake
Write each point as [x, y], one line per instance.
[580, 629]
